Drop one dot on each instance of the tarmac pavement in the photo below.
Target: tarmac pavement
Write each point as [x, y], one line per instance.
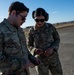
[66, 50]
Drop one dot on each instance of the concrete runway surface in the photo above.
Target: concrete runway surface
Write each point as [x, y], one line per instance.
[66, 51]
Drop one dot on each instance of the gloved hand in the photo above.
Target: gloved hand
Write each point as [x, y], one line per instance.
[49, 52]
[38, 51]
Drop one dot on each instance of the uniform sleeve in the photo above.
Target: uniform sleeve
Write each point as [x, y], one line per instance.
[28, 54]
[56, 38]
[31, 41]
[32, 58]
[2, 57]
[25, 53]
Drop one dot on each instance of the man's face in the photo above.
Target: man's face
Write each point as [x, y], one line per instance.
[20, 18]
[40, 20]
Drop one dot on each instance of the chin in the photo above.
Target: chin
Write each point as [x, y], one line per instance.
[40, 25]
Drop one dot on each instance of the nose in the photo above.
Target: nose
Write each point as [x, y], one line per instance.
[24, 20]
[39, 22]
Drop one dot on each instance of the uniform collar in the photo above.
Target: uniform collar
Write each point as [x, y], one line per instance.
[10, 26]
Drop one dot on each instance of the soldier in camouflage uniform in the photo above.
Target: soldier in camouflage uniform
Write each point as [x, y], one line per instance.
[44, 41]
[14, 55]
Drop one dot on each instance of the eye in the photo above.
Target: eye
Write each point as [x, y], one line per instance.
[39, 20]
[23, 18]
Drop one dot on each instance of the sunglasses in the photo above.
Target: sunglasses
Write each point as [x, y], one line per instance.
[39, 20]
[23, 18]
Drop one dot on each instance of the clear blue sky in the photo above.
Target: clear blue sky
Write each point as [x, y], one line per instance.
[59, 10]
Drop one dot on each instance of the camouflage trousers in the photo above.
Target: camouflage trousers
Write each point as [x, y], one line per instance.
[51, 63]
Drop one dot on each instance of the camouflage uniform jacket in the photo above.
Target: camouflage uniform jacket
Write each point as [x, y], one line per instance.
[44, 37]
[13, 43]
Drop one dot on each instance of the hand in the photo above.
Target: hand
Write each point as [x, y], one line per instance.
[49, 52]
[38, 51]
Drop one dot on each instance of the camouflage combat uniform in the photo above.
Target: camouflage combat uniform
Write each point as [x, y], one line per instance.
[43, 38]
[13, 49]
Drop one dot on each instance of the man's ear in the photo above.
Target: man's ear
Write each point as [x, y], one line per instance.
[13, 12]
